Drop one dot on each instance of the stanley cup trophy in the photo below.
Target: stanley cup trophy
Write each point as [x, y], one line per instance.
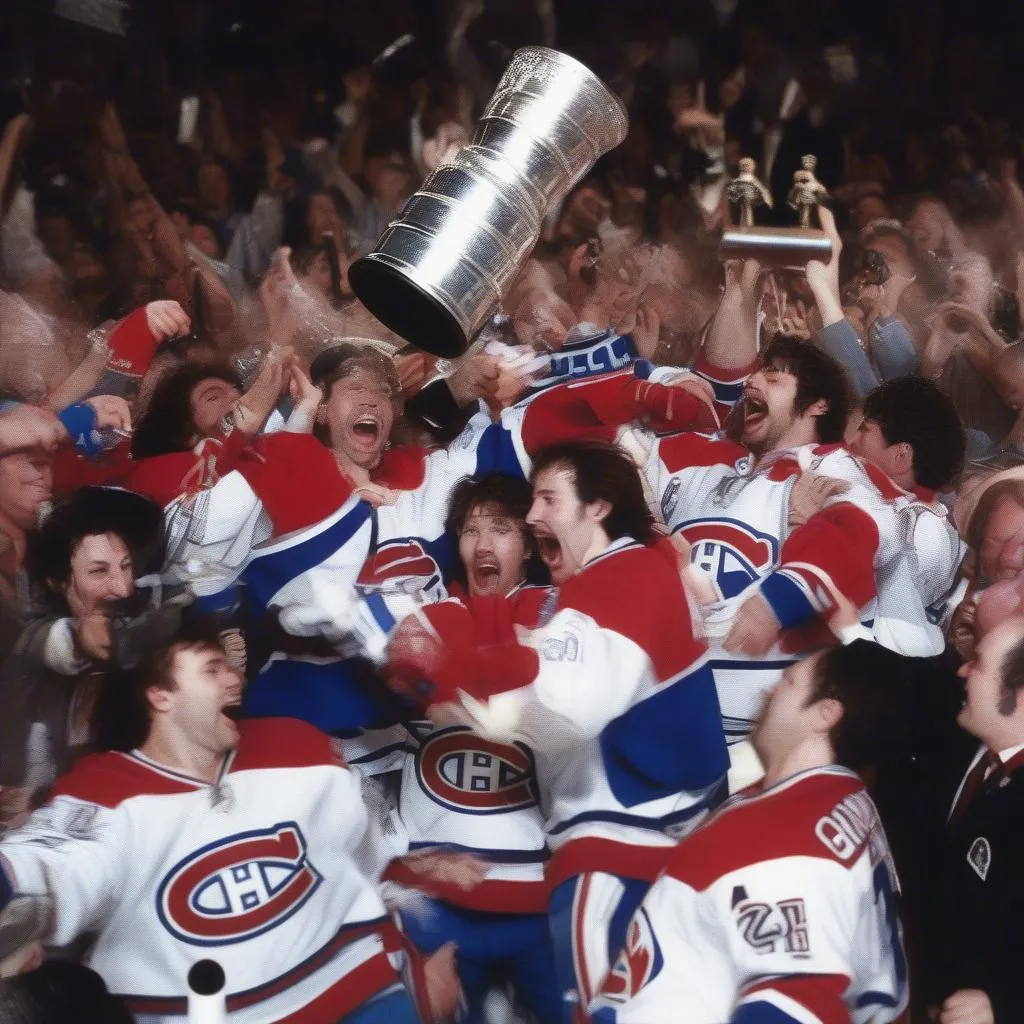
[790, 248]
[442, 267]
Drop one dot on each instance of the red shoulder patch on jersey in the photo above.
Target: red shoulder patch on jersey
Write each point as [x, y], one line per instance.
[110, 779]
[886, 486]
[638, 592]
[402, 469]
[827, 815]
[282, 743]
[682, 451]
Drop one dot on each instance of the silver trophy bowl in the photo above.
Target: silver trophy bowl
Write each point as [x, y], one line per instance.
[441, 268]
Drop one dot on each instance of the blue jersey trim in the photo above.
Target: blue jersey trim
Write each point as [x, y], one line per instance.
[267, 574]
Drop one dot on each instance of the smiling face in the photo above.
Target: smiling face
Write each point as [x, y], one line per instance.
[493, 549]
[360, 414]
[1002, 546]
[101, 573]
[211, 400]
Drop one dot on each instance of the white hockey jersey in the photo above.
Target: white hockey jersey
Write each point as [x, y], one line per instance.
[735, 516]
[622, 716]
[461, 792]
[781, 907]
[259, 872]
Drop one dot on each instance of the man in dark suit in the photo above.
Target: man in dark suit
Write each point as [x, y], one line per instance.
[977, 931]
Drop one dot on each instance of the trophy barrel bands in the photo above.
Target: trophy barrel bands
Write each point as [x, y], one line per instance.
[442, 266]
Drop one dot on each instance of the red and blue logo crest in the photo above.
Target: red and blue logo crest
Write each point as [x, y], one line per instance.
[466, 773]
[639, 962]
[238, 887]
[731, 552]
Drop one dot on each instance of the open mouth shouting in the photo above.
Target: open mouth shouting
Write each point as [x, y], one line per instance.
[232, 710]
[366, 432]
[486, 575]
[551, 555]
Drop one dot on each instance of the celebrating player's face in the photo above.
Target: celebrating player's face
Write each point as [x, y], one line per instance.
[360, 415]
[202, 707]
[769, 408]
[560, 523]
[492, 549]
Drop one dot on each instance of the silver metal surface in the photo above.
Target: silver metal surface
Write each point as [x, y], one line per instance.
[439, 270]
[788, 247]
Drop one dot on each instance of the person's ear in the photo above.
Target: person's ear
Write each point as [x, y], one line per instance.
[829, 712]
[905, 456]
[818, 408]
[160, 699]
[599, 510]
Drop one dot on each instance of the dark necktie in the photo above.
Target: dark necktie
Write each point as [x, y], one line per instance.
[979, 779]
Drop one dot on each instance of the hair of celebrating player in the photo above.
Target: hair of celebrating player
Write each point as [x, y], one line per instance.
[603, 472]
[873, 685]
[818, 376]
[913, 410]
[166, 426]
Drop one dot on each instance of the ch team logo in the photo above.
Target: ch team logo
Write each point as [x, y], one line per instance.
[732, 553]
[466, 773]
[638, 964]
[238, 887]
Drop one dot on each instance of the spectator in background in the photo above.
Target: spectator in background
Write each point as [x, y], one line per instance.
[84, 561]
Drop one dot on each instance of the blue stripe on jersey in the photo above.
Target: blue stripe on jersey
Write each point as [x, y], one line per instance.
[338, 697]
[876, 999]
[790, 604]
[223, 601]
[761, 1012]
[504, 856]
[669, 743]
[496, 453]
[267, 574]
[727, 393]
[378, 608]
[6, 888]
[636, 821]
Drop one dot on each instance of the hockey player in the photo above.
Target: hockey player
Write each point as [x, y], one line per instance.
[211, 838]
[613, 693]
[912, 444]
[776, 579]
[782, 907]
[459, 791]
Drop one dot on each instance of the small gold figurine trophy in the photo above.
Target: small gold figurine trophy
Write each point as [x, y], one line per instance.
[779, 247]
